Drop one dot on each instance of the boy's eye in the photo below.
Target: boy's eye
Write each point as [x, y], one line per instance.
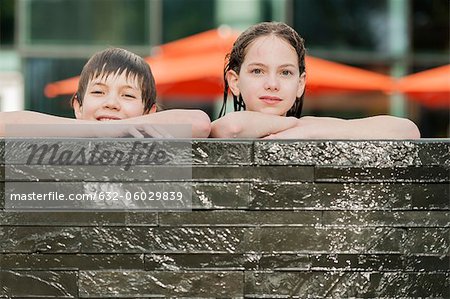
[97, 92]
[130, 96]
[256, 71]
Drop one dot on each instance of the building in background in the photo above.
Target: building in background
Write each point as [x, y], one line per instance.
[42, 41]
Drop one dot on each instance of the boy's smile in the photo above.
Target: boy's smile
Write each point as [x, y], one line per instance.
[112, 97]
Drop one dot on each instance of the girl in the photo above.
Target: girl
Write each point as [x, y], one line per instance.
[265, 73]
[117, 88]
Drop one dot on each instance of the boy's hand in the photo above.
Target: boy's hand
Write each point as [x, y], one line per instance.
[130, 130]
[152, 131]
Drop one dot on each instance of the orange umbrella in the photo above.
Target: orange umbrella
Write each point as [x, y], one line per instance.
[212, 41]
[190, 66]
[198, 75]
[193, 66]
[327, 76]
[431, 87]
[63, 87]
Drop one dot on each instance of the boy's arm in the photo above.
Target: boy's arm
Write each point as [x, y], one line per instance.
[35, 124]
[199, 122]
[249, 124]
[56, 126]
[376, 127]
[31, 118]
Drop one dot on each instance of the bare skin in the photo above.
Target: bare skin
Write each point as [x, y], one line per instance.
[140, 126]
[249, 124]
[112, 107]
[269, 82]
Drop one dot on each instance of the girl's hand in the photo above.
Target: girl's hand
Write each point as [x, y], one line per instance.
[292, 133]
[376, 127]
[249, 124]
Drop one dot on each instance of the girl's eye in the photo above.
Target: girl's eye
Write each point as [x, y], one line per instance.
[286, 73]
[257, 71]
[97, 92]
[130, 96]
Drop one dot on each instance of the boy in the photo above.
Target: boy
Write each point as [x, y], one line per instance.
[116, 87]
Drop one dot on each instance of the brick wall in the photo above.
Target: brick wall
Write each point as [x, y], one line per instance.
[269, 219]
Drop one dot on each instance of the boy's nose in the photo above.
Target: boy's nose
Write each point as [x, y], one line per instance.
[272, 82]
[112, 102]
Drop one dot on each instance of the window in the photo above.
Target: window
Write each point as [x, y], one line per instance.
[430, 25]
[40, 71]
[87, 22]
[182, 18]
[7, 23]
[342, 24]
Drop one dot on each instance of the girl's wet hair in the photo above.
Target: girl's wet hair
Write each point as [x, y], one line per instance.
[115, 61]
[236, 57]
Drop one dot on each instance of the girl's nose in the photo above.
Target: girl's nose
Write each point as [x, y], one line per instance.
[272, 82]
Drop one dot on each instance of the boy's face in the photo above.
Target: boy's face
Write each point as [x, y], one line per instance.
[113, 97]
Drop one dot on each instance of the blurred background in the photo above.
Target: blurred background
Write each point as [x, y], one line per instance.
[43, 41]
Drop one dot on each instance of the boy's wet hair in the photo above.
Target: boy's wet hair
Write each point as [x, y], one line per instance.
[115, 61]
[236, 57]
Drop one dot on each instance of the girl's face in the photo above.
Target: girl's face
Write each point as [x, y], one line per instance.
[269, 79]
[112, 97]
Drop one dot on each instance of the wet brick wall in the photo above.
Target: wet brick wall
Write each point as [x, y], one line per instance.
[270, 219]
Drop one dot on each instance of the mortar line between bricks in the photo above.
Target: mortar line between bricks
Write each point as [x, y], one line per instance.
[340, 276]
[380, 238]
[315, 181]
[78, 283]
[322, 218]
[252, 153]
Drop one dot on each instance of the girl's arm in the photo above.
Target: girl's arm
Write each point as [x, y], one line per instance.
[48, 125]
[249, 124]
[376, 127]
